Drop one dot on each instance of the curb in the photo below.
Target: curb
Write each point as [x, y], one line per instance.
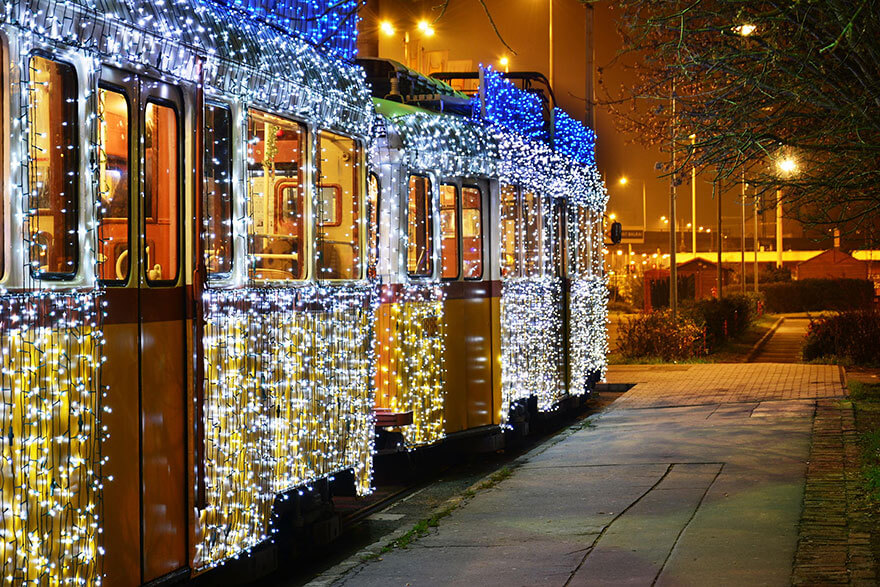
[763, 340]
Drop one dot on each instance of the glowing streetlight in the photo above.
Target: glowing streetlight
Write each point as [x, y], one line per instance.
[745, 29]
[623, 180]
[787, 165]
[612, 216]
[505, 63]
[426, 28]
[387, 28]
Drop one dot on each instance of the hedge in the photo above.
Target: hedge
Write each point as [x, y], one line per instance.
[848, 335]
[809, 295]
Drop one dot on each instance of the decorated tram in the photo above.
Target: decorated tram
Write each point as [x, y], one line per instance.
[225, 266]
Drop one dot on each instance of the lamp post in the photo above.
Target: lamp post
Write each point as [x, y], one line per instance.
[786, 166]
[694, 196]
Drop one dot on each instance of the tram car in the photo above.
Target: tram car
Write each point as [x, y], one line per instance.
[224, 265]
[488, 255]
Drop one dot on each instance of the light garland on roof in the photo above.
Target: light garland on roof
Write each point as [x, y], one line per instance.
[509, 107]
[573, 139]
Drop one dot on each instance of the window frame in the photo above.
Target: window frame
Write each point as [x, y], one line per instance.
[218, 277]
[71, 277]
[456, 207]
[361, 210]
[372, 231]
[430, 238]
[181, 201]
[124, 92]
[482, 233]
[309, 179]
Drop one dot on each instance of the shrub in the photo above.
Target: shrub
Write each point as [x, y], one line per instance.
[810, 295]
[850, 335]
[655, 335]
[725, 318]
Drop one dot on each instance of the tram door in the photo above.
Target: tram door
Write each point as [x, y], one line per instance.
[141, 187]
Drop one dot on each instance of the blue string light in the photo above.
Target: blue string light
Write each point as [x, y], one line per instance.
[329, 24]
[514, 109]
[573, 139]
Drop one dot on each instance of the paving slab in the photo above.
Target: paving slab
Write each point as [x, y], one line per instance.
[703, 493]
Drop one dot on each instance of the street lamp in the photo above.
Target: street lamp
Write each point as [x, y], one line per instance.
[386, 27]
[786, 167]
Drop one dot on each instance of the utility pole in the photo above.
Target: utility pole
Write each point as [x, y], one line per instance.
[719, 236]
[756, 241]
[778, 228]
[673, 268]
[694, 195]
[742, 238]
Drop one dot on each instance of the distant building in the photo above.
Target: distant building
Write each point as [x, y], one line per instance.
[832, 264]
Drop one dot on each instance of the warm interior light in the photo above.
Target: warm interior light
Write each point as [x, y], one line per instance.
[612, 216]
[504, 61]
[623, 180]
[426, 28]
[387, 28]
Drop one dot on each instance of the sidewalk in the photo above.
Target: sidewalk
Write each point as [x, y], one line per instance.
[702, 484]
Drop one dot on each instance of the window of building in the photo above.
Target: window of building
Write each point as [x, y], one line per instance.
[339, 197]
[449, 255]
[217, 195]
[472, 232]
[373, 191]
[161, 193]
[276, 155]
[54, 173]
[114, 120]
[419, 248]
[510, 232]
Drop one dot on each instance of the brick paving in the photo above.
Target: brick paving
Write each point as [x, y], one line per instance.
[701, 384]
[834, 543]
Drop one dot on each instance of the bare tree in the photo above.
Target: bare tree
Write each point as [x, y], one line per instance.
[759, 84]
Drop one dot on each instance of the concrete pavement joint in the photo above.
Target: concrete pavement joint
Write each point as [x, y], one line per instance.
[688, 523]
[614, 519]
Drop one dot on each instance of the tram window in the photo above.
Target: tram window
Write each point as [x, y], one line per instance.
[510, 232]
[161, 187]
[558, 249]
[339, 196]
[217, 202]
[598, 240]
[472, 232]
[419, 249]
[533, 235]
[113, 178]
[449, 255]
[54, 154]
[585, 234]
[373, 220]
[277, 197]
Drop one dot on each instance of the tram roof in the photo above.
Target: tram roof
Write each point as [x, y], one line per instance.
[237, 54]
